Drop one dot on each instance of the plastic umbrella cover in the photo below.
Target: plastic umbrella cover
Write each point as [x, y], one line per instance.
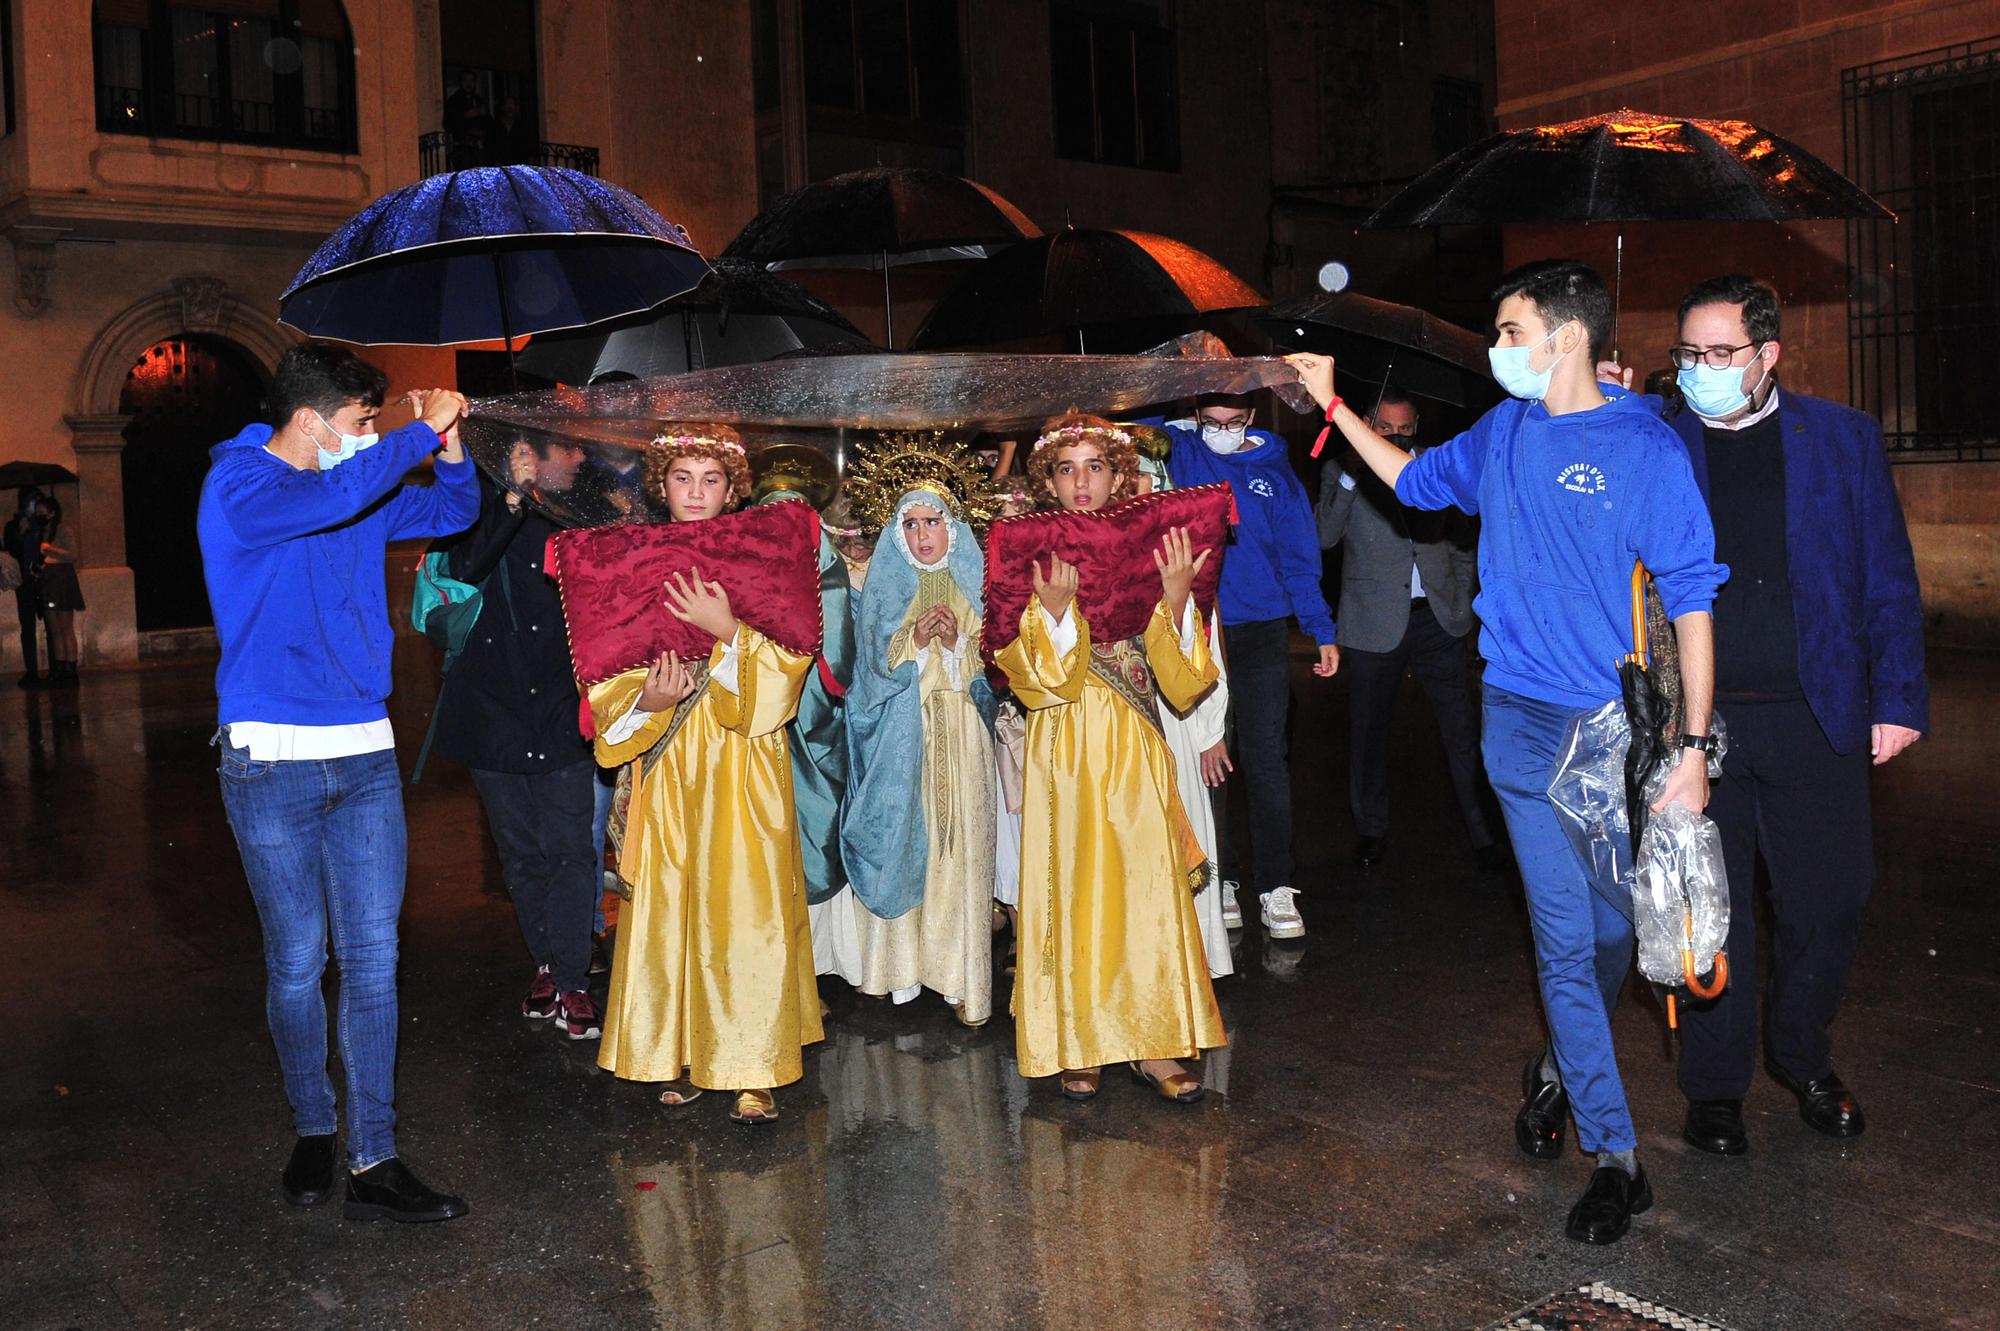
[1675, 889]
[578, 454]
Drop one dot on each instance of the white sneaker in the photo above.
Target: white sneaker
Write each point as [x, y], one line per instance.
[1281, 913]
[1232, 910]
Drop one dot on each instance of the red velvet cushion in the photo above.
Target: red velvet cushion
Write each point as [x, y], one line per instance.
[1117, 584]
[613, 581]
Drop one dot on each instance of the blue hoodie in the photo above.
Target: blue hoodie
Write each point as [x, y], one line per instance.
[1568, 503]
[1271, 570]
[294, 564]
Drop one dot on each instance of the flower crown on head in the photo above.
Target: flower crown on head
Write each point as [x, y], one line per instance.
[900, 463]
[694, 436]
[1078, 432]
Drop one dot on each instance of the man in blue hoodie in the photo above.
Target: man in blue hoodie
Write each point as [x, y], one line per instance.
[1269, 579]
[1575, 485]
[293, 523]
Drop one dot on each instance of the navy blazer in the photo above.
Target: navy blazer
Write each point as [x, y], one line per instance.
[1854, 580]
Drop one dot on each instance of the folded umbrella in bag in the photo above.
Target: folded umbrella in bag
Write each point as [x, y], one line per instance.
[1613, 765]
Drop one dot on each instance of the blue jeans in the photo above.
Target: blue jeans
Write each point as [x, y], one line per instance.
[1583, 943]
[600, 827]
[324, 848]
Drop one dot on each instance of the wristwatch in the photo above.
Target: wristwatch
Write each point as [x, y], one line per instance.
[1706, 743]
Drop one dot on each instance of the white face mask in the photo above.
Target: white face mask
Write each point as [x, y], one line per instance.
[1224, 441]
[350, 444]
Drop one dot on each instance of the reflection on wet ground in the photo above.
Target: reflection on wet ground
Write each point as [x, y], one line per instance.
[1355, 1168]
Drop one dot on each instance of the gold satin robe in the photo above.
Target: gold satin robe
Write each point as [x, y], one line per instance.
[713, 974]
[1111, 966]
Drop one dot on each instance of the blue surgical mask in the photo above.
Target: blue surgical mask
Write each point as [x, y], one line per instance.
[1717, 394]
[1510, 368]
[350, 444]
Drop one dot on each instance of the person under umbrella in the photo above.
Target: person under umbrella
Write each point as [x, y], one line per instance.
[1588, 480]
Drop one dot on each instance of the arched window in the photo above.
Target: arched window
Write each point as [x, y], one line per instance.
[247, 71]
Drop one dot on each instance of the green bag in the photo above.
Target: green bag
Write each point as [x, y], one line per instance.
[443, 608]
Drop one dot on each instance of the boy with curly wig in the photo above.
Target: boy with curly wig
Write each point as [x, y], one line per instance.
[712, 986]
[1111, 962]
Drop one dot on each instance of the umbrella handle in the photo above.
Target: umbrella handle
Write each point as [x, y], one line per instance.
[1639, 611]
[1693, 981]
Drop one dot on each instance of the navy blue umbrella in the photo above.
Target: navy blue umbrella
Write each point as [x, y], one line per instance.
[490, 253]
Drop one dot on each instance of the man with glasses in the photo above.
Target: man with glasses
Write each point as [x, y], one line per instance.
[1819, 676]
[1405, 604]
[1270, 578]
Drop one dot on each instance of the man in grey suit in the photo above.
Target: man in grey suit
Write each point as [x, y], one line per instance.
[1405, 602]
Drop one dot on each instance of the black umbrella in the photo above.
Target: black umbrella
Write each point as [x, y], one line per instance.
[879, 218]
[1080, 278]
[490, 253]
[740, 314]
[21, 475]
[1629, 166]
[1374, 340]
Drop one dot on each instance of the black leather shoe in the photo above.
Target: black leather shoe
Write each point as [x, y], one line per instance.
[1605, 1211]
[389, 1191]
[1538, 1128]
[1825, 1103]
[1715, 1126]
[1368, 851]
[308, 1176]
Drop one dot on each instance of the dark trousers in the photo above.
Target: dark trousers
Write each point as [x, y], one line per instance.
[1785, 793]
[28, 603]
[1259, 655]
[1438, 661]
[541, 827]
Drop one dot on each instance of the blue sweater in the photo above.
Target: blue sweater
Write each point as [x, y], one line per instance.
[294, 564]
[1569, 502]
[1272, 569]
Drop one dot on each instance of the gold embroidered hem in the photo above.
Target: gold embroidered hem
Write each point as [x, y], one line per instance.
[713, 976]
[1111, 966]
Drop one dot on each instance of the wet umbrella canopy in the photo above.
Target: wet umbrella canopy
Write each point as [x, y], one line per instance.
[864, 218]
[1629, 166]
[1380, 342]
[1079, 278]
[471, 256]
[740, 314]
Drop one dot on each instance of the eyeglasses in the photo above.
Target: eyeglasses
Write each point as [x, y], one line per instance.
[1715, 358]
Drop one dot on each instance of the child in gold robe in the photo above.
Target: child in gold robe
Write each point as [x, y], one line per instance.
[1111, 966]
[713, 975]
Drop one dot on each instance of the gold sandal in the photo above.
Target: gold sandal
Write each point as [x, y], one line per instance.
[1182, 1087]
[754, 1107]
[1081, 1085]
[683, 1093]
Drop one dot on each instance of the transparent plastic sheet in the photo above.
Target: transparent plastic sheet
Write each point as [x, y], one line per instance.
[576, 452]
[1679, 890]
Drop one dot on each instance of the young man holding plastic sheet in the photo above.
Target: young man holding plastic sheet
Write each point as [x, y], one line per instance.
[293, 523]
[1577, 484]
[1820, 677]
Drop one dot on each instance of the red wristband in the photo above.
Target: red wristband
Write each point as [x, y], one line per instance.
[1327, 429]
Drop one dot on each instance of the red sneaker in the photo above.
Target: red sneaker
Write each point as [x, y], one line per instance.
[578, 1017]
[540, 1004]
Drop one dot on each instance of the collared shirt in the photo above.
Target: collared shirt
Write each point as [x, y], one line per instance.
[1770, 405]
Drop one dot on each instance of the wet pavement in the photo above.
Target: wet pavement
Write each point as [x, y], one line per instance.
[1356, 1168]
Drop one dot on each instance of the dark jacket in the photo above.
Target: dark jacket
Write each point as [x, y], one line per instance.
[1383, 539]
[509, 702]
[1854, 579]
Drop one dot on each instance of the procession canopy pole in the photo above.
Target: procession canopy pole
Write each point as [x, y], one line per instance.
[1617, 294]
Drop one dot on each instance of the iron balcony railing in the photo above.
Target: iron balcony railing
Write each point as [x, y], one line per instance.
[441, 150]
